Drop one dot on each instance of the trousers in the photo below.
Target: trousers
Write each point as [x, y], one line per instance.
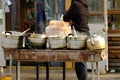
[81, 70]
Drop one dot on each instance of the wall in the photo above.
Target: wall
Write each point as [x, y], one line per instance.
[2, 28]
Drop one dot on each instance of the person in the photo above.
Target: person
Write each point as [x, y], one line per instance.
[77, 15]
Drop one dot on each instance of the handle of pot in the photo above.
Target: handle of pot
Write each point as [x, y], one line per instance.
[8, 32]
[92, 41]
[74, 31]
[25, 31]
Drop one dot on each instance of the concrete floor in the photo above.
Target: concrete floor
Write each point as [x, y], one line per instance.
[29, 73]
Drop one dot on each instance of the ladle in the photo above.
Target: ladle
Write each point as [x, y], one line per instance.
[25, 31]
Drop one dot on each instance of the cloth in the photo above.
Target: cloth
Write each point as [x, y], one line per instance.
[81, 70]
[41, 17]
[54, 9]
[79, 14]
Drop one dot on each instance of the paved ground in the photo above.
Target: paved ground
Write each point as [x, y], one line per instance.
[29, 73]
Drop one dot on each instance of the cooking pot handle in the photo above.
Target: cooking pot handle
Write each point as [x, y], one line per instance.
[74, 31]
[70, 34]
[92, 41]
[8, 32]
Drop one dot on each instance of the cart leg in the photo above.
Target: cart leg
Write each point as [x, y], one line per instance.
[93, 73]
[10, 65]
[18, 70]
[97, 68]
[64, 71]
[47, 70]
[1, 71]
[37, 71]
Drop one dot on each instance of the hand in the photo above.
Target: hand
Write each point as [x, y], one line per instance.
[70, 22]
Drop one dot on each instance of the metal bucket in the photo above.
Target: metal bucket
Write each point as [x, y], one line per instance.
[75, 43]
[38, 40]
[11, 40]
[57, 42]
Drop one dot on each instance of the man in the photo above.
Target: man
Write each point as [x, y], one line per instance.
[77, 16]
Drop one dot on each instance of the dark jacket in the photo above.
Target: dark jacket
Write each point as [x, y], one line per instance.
[79, 14]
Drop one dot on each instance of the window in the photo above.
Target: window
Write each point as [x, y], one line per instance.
[113, 4]
[114, 14]
[96, 9]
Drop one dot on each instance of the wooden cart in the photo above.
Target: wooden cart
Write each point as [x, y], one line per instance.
[54, 56]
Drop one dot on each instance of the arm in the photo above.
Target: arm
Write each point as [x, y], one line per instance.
[70, 22]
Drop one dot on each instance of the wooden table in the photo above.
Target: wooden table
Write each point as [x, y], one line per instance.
[54, 56]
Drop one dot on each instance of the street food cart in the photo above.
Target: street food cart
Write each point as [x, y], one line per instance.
[47, 55]
[54, 56]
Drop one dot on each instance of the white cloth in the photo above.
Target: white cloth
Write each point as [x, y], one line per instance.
[7, 4]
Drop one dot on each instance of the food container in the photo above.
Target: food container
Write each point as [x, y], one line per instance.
[57, 42]
[78, 42]
[38, 40]
[11, 40]
[95, 42]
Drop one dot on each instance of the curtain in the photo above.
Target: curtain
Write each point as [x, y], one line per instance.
[40, 16]
[47, 10]
[54, 8]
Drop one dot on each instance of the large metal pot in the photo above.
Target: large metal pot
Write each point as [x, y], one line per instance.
[78, 42]
[39, 40]
[57, 42]
[11, 40]
[95, 42]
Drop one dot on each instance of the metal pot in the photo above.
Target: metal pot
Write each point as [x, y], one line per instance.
[38, 39]
[76, 42]
[57, 42]
[11, 39]
[95, 42]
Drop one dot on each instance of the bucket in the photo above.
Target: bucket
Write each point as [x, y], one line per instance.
[57, 42]
[38, 41]
[6, 77]
[11, 40]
